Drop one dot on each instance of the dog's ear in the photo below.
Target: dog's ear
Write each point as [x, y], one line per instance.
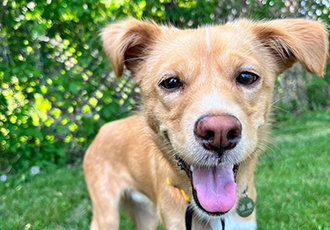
[295, 40]
[126, 42]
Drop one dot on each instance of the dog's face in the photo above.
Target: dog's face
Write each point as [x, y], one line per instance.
[207, 92]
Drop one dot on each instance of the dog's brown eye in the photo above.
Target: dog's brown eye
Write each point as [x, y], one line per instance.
[171, 83]
[247, 78]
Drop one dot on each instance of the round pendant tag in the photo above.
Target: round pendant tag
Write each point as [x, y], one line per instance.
[245, 207]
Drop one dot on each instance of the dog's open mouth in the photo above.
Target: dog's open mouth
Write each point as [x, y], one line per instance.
[214, 188]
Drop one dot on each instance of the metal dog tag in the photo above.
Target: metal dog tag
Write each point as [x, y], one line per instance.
[245, 207]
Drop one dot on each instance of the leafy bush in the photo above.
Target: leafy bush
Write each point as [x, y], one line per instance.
[318, 92]
[56, 88]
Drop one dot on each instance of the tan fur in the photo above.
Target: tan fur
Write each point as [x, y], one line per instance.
[137, 153]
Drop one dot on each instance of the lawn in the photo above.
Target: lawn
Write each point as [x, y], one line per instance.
[292, 180]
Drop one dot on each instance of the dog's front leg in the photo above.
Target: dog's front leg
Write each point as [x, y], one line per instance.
[172, 206]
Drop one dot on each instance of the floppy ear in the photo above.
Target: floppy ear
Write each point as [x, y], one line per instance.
[126, 43]
[295, 40]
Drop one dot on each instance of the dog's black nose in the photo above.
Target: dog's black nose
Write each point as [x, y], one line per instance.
[218, 133]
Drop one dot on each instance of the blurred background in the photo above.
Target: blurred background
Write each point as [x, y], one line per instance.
[57, 89]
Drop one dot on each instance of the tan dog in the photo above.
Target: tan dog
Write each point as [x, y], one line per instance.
[206, 95]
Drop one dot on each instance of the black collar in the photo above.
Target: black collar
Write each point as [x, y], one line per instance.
[189, 214]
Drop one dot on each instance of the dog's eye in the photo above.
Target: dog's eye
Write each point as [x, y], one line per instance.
[247, 78]
[171, 83]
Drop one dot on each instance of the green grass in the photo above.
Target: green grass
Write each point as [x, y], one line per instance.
[49, 200]
[292, 180]
[293, 177]
[56, 199]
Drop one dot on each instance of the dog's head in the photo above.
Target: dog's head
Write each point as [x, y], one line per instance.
[207, 92]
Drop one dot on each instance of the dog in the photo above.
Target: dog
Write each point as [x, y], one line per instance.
[189, 158]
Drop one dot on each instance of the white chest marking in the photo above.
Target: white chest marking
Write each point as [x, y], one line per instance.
[216, 224]
[233, 224]
[207, 38]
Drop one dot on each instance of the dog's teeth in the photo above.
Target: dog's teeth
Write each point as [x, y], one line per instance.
[191, 168]
[232, 166]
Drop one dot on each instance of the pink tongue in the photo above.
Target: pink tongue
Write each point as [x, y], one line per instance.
[215, 187]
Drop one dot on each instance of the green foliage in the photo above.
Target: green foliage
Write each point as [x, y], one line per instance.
[318, 93]
[56, 86]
